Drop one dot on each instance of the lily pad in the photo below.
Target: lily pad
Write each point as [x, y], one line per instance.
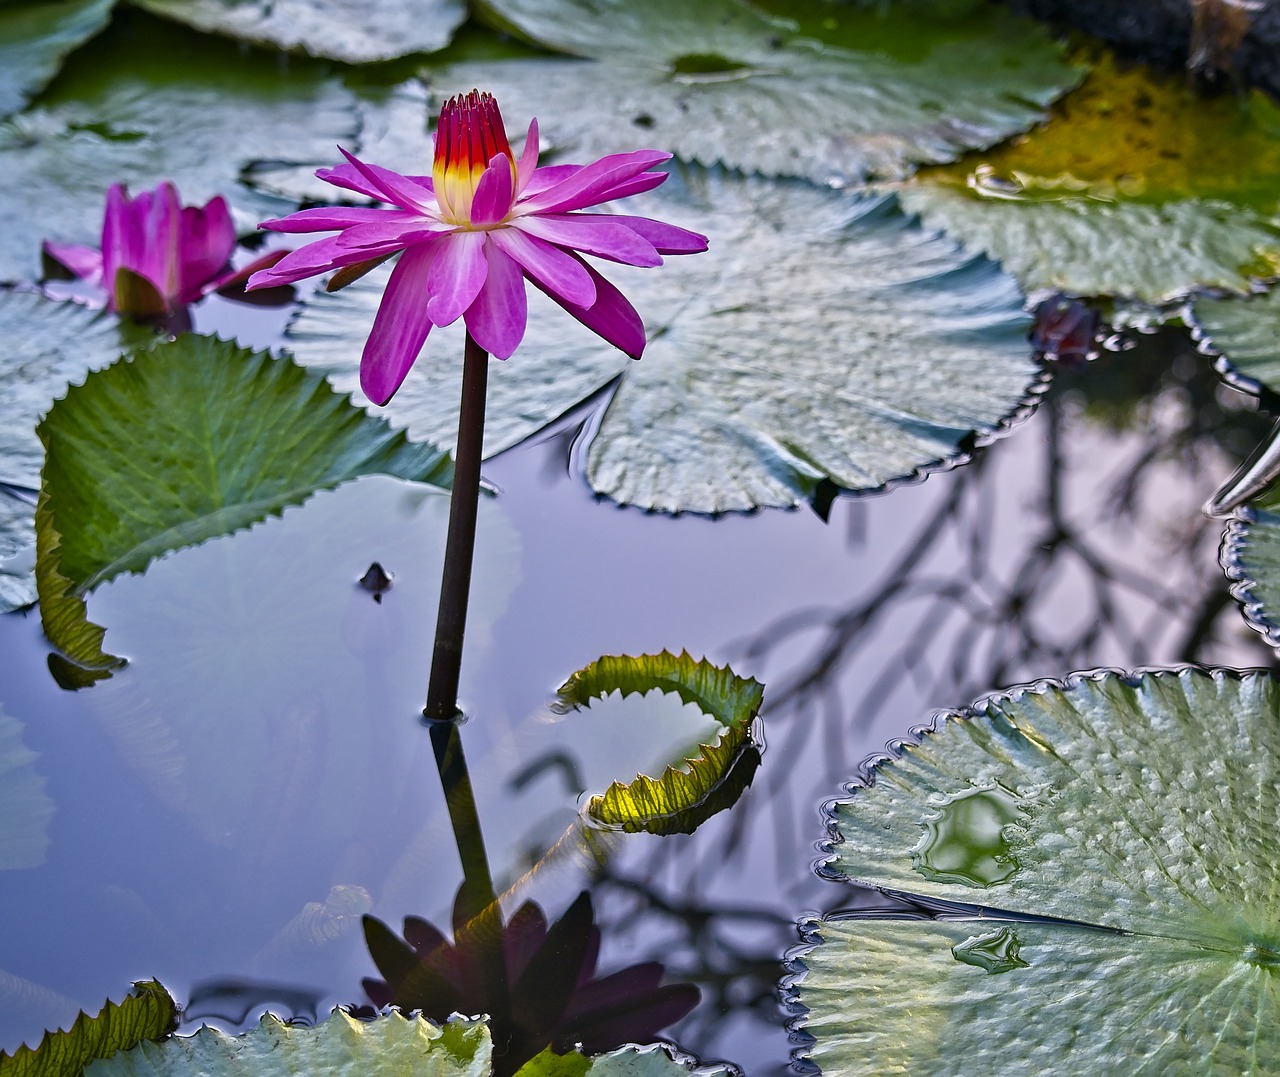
[147, 1014]
[653, 1061]
[824, 336]
[1117, 832]
[685, 794]
[875, 93]
[35, 37]
[384, 30]
[1243, 333]
[25, 808]
[192, 439]
[182, 109]
[1136, 187]
[1251, 557]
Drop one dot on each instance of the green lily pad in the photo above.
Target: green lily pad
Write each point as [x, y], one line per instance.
[390, 1045]
[147, 1014]
[685, 794]
[1136, 187]
[36, 36]
[25, 808]
[383, 31]
[190, 440]
[823, 336]
[1251, 557]
[1118, 831]
[871, 94]
[624, 1062]
[1244, 334]
[183, 109]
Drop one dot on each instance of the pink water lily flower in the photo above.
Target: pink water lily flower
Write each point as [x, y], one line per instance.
[473, 232]
[157, 255]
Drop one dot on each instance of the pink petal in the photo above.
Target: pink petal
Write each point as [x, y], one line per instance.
[589, 186]
[550, 268]
[548, 176]
[457, 275]
[401, 327]
[528, 158]
[349, 179]
[161, 256]
[598, 234]
[494, 192]
[610, 317]
[497, 318]
[83, 262]
[315, 258]
[666, 238]
[121, 238]
[646, 181]
[402, 230]
[396, 188]
[333, 218]
[206, 239]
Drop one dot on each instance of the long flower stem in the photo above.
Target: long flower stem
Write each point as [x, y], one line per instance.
[455, 587]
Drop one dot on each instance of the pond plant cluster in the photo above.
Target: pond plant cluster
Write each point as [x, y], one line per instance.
[763, 255]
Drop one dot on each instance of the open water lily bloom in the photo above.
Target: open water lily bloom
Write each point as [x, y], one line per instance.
[473, 232]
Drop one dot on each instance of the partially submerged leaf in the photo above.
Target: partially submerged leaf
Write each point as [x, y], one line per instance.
[384, 30]
[823, 336]
[677, 801]
[35, 36]
[193, 439]
[1251, 557]
[655, 1061]
[864, 90]
[1118, 831]
[147, 1014]
[390, 1045]
[25, 807]
[1244, 334]
[1136, 187]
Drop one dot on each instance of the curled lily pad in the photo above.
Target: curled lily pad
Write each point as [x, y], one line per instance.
[685, 794]
[1243, 333]
[35, 37]
[385, 29]
[823, 336]
[1251, 556]
[863, 90]
[1136, 187]
[193, 439]
[147, 1014]
[625, 1062]
[1102, 851]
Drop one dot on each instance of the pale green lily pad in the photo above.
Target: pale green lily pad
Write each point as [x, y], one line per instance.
[146, 1014]
[190, 440]
[690, 790]
[35, 37]
[719, 82]
[625, 1062]
[25, 808]
[1251, 557]
[1137, 187]
[390, 1045]
[823, 336]
[183, 109]
[1244, 333]
[1142, 809]
[383, 30]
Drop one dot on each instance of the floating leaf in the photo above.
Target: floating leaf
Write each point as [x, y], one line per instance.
[184, 109]
[822, 336]
[675, 803]
[36, 36]
[25, 808]
[1136, 187]
[1244, 334]
[1138, 810]
[391, 1045]
[147, 1014]
[1251, 556]
[653, 1061]
[719, 82]
[384, 30]
[193, 439]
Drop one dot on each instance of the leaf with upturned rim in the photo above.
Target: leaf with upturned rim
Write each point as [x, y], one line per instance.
[1243, 333]
[823, 336]
[1118, 831]
[684, 795]
[192, 439]
[35, 37]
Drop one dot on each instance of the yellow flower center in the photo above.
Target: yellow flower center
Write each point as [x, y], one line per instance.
[468, 136]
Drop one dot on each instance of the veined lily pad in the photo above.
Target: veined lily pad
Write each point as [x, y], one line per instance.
[182, 109]
[193, 439]
[1136, 187]
[25, 808]
[1244, 334]
[1118, 829]
[686, 793]
[822, 336]
[147, 1014]
[721, 82]
[384, 30]
[35, 36]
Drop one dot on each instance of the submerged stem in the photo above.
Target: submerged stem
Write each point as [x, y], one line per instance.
[455, 587]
